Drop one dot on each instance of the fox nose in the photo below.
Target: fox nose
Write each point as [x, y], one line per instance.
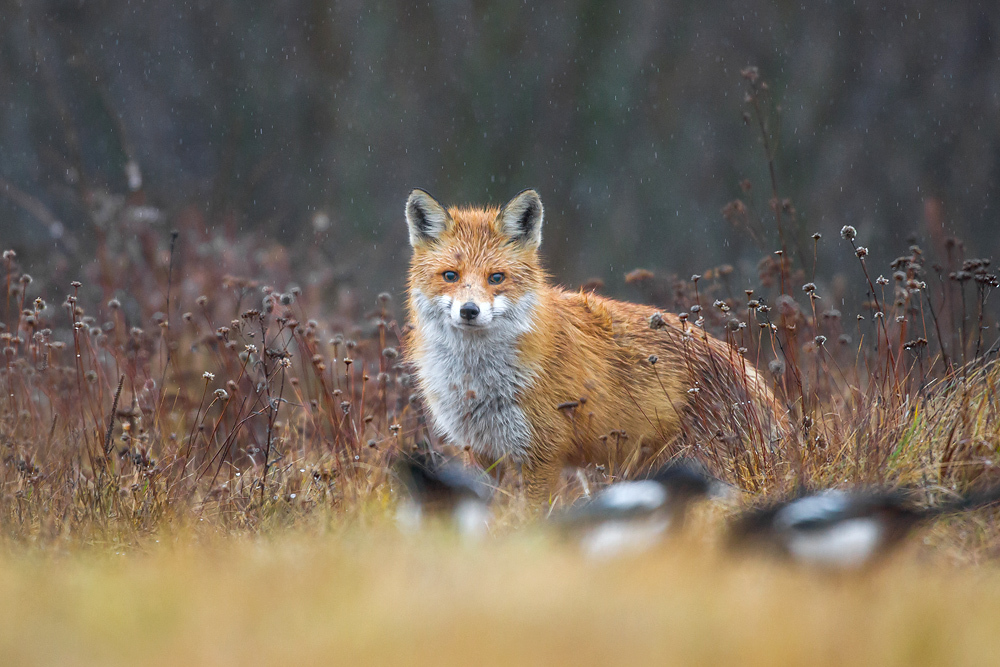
[469, 311]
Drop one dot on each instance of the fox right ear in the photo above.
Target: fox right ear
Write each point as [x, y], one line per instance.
[426, 218]
[520, 220]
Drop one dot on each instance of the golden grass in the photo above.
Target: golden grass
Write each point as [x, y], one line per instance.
[372, 596]
[231, 505]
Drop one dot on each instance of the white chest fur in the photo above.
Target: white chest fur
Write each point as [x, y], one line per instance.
[472, 380]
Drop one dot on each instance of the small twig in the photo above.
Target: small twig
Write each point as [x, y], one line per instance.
[111, 417]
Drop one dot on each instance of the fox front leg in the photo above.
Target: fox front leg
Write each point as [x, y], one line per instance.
[541, 478]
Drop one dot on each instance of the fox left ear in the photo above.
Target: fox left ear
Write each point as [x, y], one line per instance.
[521, 219]
[426, 219]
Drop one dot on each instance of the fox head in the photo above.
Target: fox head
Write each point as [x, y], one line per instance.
[475, 269]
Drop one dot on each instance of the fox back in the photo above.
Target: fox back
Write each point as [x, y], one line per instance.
[515, 368]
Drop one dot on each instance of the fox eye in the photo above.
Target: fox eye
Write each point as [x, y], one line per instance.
[496, 278]
[450, 276]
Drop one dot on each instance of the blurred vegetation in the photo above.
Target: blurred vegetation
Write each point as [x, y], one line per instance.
[309, 121]
[199, 202]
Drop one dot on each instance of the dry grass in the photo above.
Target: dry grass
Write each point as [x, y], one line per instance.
[373, 597]
[196, 467]
[239, 529]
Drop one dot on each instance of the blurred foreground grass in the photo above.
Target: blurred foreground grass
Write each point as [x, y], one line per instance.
[333, 595]
[196, 467]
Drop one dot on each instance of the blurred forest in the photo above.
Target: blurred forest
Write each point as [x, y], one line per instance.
[307, 122]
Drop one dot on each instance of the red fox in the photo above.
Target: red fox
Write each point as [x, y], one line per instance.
[515, 368]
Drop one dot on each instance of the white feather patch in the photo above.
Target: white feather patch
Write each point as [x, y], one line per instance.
[615, 538]
[645, 495]
[845, 544]
[825, 505]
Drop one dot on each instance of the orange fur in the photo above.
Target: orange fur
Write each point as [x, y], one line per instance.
[577, 367]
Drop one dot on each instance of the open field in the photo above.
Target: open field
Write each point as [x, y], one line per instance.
[371, 596]
[198, 433]
[197, 469]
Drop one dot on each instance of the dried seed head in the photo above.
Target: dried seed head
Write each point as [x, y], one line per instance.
[638, 276]
[861, 252]
[848, 232]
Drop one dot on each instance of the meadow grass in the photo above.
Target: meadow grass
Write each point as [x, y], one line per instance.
[335, 595]
[197, 468]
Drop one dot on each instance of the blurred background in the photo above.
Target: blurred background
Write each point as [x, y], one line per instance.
[306, 123]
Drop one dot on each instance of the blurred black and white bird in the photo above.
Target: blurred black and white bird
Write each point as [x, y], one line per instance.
[841, 529]
[435, 487]
[632, 516]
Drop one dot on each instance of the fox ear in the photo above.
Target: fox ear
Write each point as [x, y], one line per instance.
[426, 218]
[521, 219]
